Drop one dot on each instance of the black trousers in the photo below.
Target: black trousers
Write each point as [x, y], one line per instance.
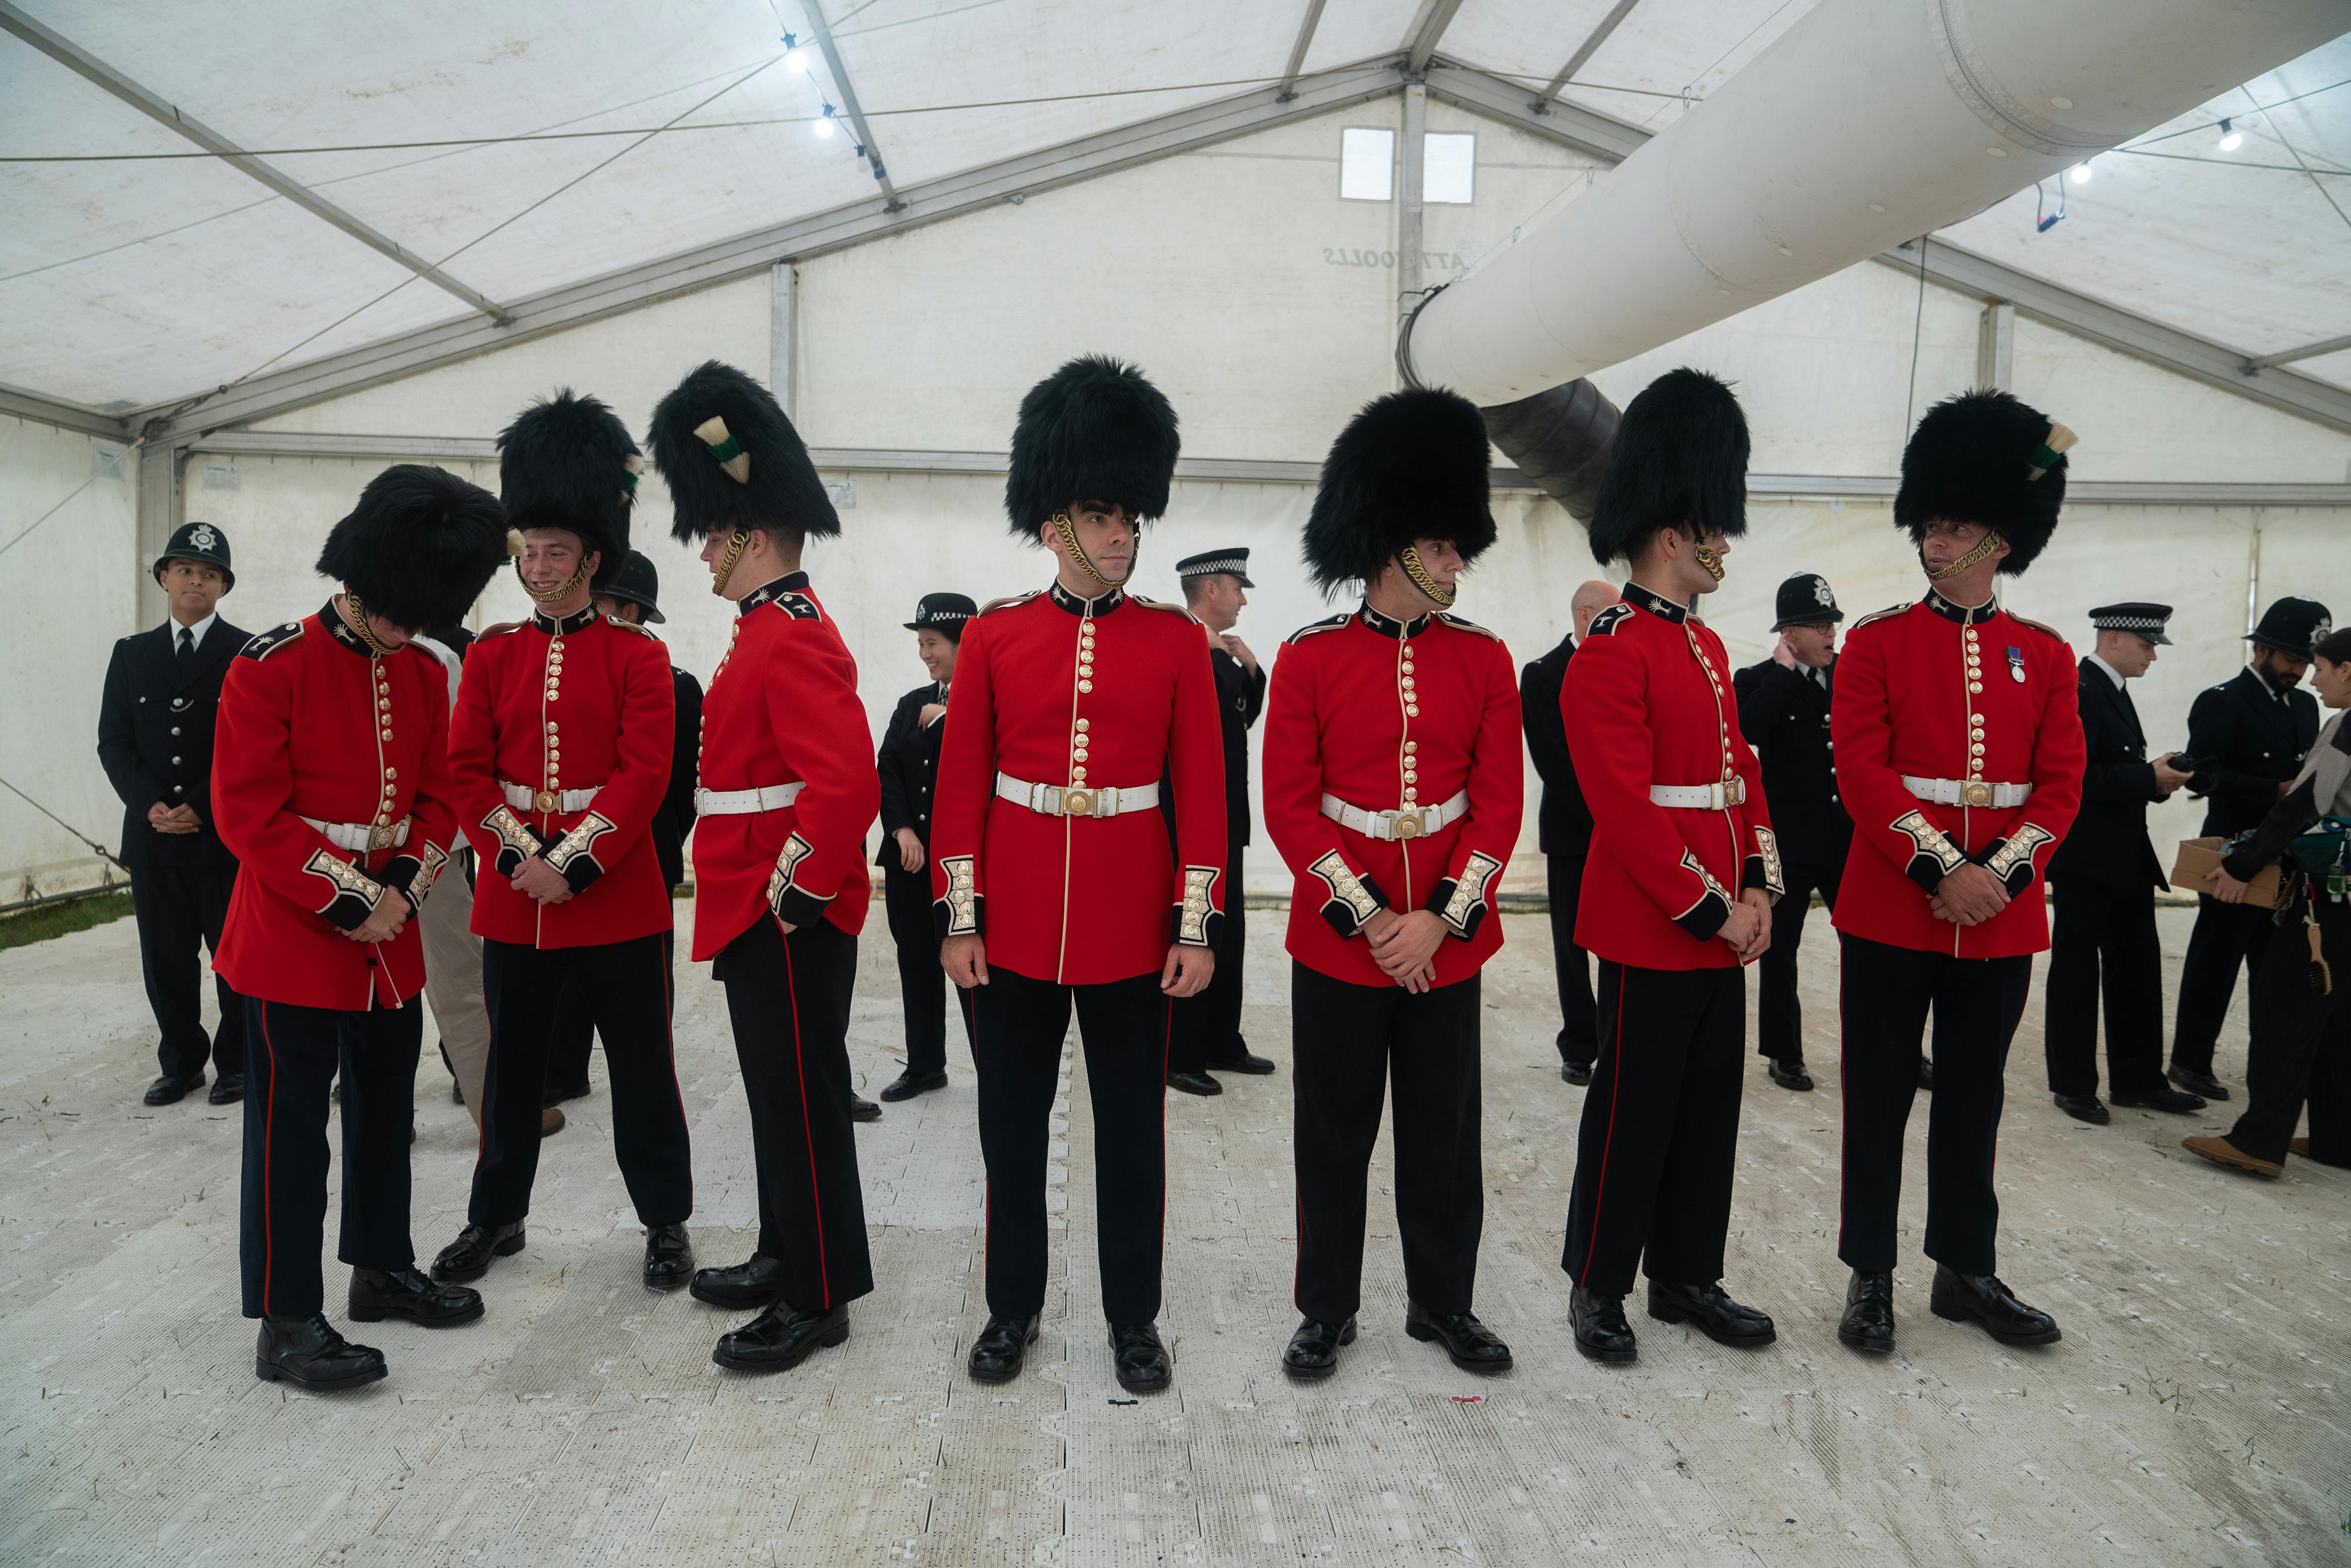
[1579, 1028]
[2101, 937]
[1019, 1026]
[297, 1054]
[628, 995]
[1779, 1016]
[1206, 1030]
[1977, 1003]
[1346, 1041]
[572, 1033]
[2225, 937]
[922, 983]
[788, 998]
[1660, 1131]
[2301, 1047]
[178, 909]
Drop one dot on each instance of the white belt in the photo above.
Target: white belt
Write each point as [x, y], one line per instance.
[1076, 799]
[1976, 792]
[1407, 822]
[524, 798]
[741, 802]
[1718, 796]
[361, 837]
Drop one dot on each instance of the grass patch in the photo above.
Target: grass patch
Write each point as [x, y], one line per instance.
[62, 916]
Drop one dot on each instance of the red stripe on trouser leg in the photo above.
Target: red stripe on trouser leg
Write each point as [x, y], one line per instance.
[807, 1130]
[1616, 1086]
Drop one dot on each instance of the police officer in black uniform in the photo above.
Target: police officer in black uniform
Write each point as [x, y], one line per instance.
[1563, 832]
[2248, 738]
[909, 765]
[1783, 710]
[155, 741]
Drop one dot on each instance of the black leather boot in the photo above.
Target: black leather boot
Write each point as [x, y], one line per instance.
[468, 1257]
[863, 1110]
[2162, 1097]
[1193, 1083]
[1982, 1300]
[909, 1083]
[1244, 1060]
[2195, 1082]
[1868, 1321]
[308, 1353]
[756, 1281]
[170, 1091]
[1790, 1074]
[781, 1339]
[669, 1257]
[1473, 1346]
[1313, 1349]
[228, 1089]
[1139, 1358]
[1601, 1331]
[1709, 1309]
[997, 1354]
[377, 1294]
[1577, 1072]
[2082, 1108]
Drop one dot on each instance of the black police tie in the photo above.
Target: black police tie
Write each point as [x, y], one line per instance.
[187, 652]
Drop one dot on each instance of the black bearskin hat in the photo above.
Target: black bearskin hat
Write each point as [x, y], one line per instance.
[1094, 430]
[1410, 465]
[1985, 458]
[564, 462]
[732, 460]
[1678, 460]
[419, 546]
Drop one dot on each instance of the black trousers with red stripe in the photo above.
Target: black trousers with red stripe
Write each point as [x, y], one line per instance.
[572, 1037]
[1887, 994]
[294, 1056]
[1019, 1025]
[788, 999]
[1660, 1131]
[1345, 1041]
[625, 986]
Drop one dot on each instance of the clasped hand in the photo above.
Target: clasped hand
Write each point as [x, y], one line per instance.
[384, 921]
[536, 879]
[1404, 946]
[1968, 896]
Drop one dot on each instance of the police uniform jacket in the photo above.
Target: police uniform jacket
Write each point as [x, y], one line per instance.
[2108, 843]
[908, 763]
[1384, 714]
[782, 708]
[1935, 691]
[673, 822]
[1784, 715]
[2254, 740]
[1240, 697]
[548, 710]
[1563, 821]
[155, 739]
[1651, 703]
[315, 728]
[1079, 695]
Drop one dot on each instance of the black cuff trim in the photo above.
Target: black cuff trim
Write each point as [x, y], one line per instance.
[1753, 874]
[797, 906]
[1352, 899]
[944, 922]
[1703, 919]
[1927, 871]
[1196, 915]
[517, 841]
[1211, 928]
[573, 855]
[2010, 859]
[356, 892]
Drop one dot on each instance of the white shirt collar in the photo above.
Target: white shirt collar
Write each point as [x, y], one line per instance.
[2112, 674]
[195, 633]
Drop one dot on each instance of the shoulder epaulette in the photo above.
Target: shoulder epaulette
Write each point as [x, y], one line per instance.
[500, 630]
[1876, 615]
[264, 643]
[1604, 624]
[2046, 631]
[1171, 609]
[1010, 599]
[632, 626]
[1459, 624]
[794, 603]
[1330, 623]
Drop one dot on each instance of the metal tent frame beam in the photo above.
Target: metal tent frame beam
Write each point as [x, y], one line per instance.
[71, 416]
[856, 116]
[1312, 20]
[2307, 351]
[1427, 30]
[1584, 52]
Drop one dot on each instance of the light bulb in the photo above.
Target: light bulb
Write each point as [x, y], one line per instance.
[797, 61]
[2080, 173]
[2230, 138]
[824, 130]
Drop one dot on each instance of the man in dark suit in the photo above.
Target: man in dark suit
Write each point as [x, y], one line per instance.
[2248, 737]
[155, 741]
[1783, 711]
[2102, 882]
[909, 765]
[1564, 831]
[1204, 1032]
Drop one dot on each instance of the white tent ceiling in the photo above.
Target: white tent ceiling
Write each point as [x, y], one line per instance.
[126, 284]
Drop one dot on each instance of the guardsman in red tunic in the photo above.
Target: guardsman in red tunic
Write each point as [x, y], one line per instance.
[1050, 868]
[1958, 744]
[1393, 789]
[330, 783]
[787, 791]
[559, 756]
[1678, 892]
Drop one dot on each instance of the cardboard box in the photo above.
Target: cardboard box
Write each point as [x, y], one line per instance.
[2199, 858]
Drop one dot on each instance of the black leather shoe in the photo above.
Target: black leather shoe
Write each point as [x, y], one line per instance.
[457, 1093]
[1577, 1072]
[2197, 1082]
[308, 1353]
[376, 1295]
[1709, 1309]
[1927, 1073]
[1139, 1359]
[2083, 1108]
[909, 1083]
[669, 1257]
[468, 1257]
[1868, 1321]
[1982, 1300]
[1790, 1074]
[1313, 1349]
[228, 1089]
[1247, 1061]
[2160, 1098]
[170, 1091]
[557, 1095]
[997, 1354]
[1473, 1346]
[863, 1110]
[756, 1281]
[1601, 1331]
[1194, 1083]
[781, 1339]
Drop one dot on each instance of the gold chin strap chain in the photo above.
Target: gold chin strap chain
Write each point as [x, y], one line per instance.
[1709, 559]
[1068, 531]
[1409, 559]
[355, 617]
[726, 567]
[577, 579]
[1991, 541]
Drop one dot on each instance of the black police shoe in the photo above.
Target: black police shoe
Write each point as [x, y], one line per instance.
[756, 1281]
[378, 1295]
[1709, 1309]
[1244, 1060]
[1473, 1346]
[2158, 1099]
[863, 1110]
[1868, 1321]
[1577, 1072]
[1194, 1083]
[1139, 1359]
[780, 1338]
[997, 1354]
[2197, 1082]
[669, 1257]
[1601, 1331]
[468, 1257]
[228, 1089]
[1927, 1073]
[169, 1090]
[1790, 1074]
[1313, 1349]
[557, 1094]
[308, 1353]
[1982, 1300]
[2083, 1108]
[909, 1083]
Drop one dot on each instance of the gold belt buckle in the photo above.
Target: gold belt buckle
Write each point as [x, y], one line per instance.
[1975, 793]
[547, 800]
[1408, 824]
[381, 835]
[1076, 803]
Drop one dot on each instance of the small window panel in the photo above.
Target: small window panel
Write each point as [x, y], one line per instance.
[1449, 168]
[1366, 164]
